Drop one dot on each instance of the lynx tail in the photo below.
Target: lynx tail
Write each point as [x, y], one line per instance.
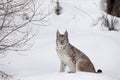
[99, 71]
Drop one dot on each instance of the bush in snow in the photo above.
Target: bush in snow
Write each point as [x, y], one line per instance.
[110, 22]
[4, 76]
[58, 8]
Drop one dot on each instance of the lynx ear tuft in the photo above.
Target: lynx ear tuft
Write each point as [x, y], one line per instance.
[58, 34]
[66, 33]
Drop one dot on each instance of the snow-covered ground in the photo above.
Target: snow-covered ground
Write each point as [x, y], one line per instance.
[42, 62]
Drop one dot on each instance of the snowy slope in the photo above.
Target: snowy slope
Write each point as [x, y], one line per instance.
[64, 76]
[42, 62]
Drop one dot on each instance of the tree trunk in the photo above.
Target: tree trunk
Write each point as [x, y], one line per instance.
[113, 7]
[110, 6]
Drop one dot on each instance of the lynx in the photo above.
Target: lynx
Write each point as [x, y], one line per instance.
[72, 57]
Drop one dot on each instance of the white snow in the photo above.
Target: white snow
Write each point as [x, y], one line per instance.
[42, 62]
[65, 76]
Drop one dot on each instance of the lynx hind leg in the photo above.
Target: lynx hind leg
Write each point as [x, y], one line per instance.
[84, 65]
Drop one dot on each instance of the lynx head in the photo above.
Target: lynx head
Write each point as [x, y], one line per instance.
[62, 39]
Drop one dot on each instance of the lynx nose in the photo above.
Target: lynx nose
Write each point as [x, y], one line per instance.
[62, 42]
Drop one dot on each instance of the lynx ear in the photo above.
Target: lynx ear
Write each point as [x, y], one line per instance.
[57, 34]
[66, 34]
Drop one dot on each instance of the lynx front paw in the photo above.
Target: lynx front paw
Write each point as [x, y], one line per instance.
[62, 71]
[71, 72]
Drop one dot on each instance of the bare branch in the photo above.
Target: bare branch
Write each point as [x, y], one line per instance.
[16, 17]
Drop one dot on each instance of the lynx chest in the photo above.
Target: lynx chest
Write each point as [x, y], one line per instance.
[64, 57]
